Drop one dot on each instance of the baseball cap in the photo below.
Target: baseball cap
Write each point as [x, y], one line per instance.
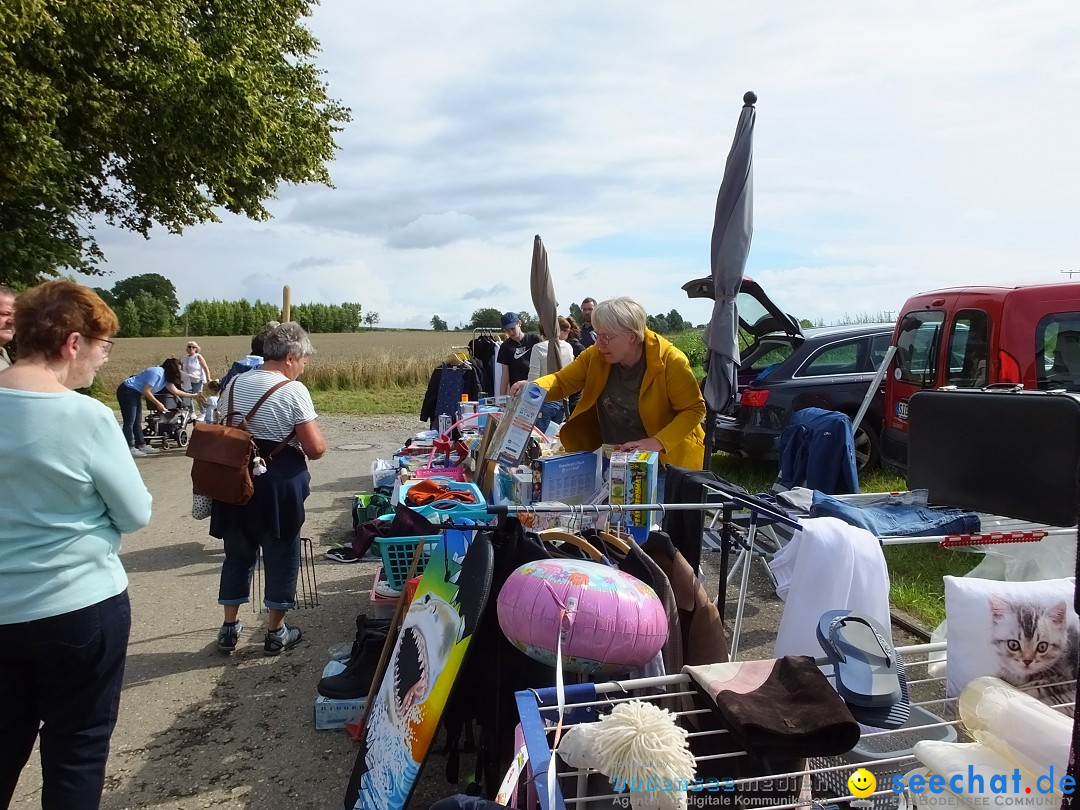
[510, 320]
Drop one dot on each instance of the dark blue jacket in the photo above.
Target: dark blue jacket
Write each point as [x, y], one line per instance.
[817, 450]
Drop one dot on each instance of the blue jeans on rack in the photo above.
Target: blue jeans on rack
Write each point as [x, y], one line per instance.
[65, 673]
[897, 520]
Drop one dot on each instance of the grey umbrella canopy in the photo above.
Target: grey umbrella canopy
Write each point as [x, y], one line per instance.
[545, 303]
[733, 226]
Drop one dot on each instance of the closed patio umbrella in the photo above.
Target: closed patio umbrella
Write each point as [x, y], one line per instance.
[733, 226]
[545, 303]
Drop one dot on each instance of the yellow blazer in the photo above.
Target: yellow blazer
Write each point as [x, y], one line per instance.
[670, 403]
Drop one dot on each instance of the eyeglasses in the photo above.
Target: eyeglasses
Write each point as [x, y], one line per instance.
[193, 348]
[108, 344]
[605, 338]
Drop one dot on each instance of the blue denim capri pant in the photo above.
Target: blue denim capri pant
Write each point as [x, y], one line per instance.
[281, 565]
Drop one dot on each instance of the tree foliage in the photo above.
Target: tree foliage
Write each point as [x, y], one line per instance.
[153, 284]
[150, 113]
[371, 319]
[244, 318]
[438, 324]
[485, 318]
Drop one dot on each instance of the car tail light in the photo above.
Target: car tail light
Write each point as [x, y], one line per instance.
[754, 397]
[1010, 369]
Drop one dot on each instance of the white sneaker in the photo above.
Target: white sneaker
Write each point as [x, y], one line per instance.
[148, 450]
[383, 588]
[135, 451]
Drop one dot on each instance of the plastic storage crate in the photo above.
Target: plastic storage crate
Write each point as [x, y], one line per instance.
[397, 556]
[922, 725]
[447, 483]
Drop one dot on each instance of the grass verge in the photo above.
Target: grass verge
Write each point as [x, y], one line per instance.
[915, 570]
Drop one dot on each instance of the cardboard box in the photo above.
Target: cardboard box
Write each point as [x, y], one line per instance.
[508, 443]
[336, 713]
[569, 478]
[522, 493]
[632, 479]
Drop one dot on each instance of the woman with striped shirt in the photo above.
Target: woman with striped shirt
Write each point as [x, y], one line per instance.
[287, 434]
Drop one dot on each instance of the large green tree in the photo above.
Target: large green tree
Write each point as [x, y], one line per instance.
[155, 285]
[142, 113]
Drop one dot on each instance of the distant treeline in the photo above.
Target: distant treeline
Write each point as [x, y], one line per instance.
[244, 318]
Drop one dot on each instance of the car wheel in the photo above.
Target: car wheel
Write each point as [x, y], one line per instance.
[866, 448]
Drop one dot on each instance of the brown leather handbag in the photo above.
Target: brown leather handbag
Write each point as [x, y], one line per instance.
[222, 456]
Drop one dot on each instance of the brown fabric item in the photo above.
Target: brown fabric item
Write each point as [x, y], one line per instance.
[700, 625]
[780, 708]
[427, 491]
[221, 456]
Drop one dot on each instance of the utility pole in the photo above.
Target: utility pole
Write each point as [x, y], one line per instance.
[1070, 273]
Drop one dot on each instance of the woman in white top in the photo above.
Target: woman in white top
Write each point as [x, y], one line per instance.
[271, 521]
[196, 372]
[554, 411]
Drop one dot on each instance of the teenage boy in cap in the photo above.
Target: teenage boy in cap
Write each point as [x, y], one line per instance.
[514, 352]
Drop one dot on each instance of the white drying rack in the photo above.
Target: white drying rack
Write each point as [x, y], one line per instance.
[538, 710]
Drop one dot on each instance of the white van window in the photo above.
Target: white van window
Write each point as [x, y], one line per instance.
[916, 347]
[1057, 352]
[969, 349]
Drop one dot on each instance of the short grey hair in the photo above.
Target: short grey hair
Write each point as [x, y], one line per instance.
[5, 290]
[285, 339]
[622, 315]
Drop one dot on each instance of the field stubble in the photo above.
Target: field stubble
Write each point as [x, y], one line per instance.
[375, 371]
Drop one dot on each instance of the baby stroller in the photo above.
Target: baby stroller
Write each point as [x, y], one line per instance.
[172, 426]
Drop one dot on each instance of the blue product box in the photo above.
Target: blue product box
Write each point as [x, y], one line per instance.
[569, 478]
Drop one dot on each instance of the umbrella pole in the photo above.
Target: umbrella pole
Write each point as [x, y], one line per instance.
[710, 439]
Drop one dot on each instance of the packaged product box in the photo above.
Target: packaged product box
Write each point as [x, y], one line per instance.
[569, 478]
[523, 488]
[331, 713]
[516, 425]
[632, 479]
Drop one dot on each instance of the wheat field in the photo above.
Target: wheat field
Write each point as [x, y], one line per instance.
[375, 358]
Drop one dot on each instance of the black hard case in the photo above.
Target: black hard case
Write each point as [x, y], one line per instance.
[1012, 453]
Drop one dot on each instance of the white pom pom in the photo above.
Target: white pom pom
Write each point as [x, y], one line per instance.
[638, 746]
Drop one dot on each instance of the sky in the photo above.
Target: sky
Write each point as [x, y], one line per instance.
[898, 148]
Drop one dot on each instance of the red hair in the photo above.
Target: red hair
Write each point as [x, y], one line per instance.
[47, 314]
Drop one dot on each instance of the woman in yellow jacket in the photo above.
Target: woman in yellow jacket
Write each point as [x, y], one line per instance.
[637, 390]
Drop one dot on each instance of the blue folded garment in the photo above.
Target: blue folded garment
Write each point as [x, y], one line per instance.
[896, 520]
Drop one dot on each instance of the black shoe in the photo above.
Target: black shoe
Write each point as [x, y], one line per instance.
[367, 627]
[355, 680]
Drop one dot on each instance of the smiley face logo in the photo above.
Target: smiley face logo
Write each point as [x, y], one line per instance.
[862, 783]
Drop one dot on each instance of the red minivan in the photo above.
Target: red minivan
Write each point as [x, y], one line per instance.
[970, 337]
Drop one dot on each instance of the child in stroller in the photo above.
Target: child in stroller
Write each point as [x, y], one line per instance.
[172, 426]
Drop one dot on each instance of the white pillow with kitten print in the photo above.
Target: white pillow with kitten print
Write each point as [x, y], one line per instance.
[1022, 632]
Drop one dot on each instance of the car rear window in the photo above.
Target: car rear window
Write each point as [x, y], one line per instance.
[1057, 352]
[969, 349]
[916, 347]
[847, 357]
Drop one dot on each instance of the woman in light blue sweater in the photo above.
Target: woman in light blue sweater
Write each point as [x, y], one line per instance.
[70, 488]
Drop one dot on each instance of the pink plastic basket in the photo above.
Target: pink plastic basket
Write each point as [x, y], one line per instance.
[453, 473]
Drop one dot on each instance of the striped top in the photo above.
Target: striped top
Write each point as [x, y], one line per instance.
[283, 410]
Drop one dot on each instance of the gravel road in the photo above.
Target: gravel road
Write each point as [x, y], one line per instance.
[198, 729]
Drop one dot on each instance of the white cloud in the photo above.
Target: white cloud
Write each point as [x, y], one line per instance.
[897, 149]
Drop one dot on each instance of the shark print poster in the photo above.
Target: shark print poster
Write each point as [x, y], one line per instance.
[426, 657]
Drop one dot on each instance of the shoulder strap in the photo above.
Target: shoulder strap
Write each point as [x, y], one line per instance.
[243, 420]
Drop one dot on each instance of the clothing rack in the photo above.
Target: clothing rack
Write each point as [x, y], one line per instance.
[539, 712]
